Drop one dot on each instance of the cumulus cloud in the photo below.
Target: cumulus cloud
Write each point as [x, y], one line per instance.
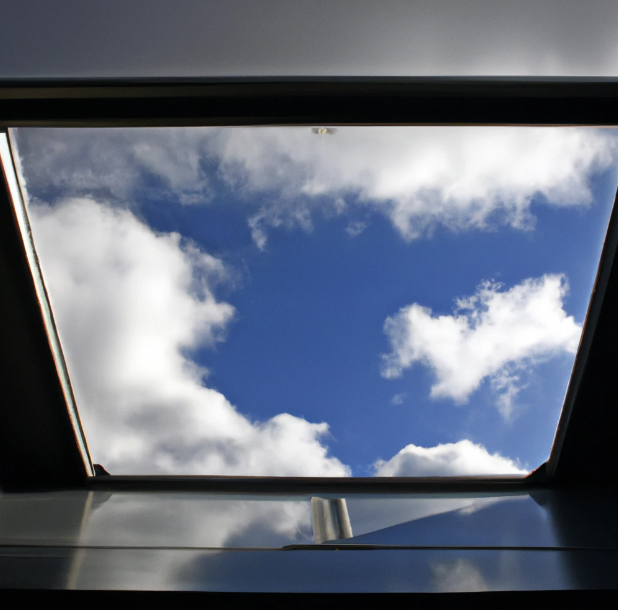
[115, 164]
[494, 335]
[132, 306]
[419, 177]
[463, 458]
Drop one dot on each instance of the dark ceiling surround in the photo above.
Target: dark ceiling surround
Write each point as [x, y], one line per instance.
[38, 446]
[584, 449]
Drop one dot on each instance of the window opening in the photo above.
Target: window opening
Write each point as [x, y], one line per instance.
[326, 301]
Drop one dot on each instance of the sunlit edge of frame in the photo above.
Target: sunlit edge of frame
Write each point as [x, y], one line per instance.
[12, 167]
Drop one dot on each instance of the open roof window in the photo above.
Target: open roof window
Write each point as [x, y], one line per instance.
[327, 301]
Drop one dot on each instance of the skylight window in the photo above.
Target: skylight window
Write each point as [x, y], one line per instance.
[383, 301]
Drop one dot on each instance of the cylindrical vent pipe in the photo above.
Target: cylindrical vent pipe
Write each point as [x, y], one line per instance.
[330, 519]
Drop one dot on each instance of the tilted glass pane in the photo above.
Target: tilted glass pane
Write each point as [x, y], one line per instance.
[327, 301]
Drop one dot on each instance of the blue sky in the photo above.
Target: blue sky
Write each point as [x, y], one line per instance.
[311, 309]
[314, 257]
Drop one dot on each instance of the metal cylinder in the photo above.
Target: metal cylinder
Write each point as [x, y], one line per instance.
[330, 519]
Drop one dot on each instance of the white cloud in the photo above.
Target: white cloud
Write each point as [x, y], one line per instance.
[463, 458]
[494, 334]
[116, 163]
[356, 227]
[131, 305]
[419, 177]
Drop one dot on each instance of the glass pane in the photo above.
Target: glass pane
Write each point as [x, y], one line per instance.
[321, 301]
[207, 520]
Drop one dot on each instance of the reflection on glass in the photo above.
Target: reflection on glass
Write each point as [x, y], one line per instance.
[207, 520]
[330, 519]
[93, 540]
[319, 301]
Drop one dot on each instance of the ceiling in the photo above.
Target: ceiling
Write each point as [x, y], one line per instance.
[211, 38]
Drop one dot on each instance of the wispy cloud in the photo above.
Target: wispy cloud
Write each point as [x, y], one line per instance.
[463, 458]
[356, 227]
[495, 334]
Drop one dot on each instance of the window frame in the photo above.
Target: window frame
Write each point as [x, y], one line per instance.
[41, 441]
